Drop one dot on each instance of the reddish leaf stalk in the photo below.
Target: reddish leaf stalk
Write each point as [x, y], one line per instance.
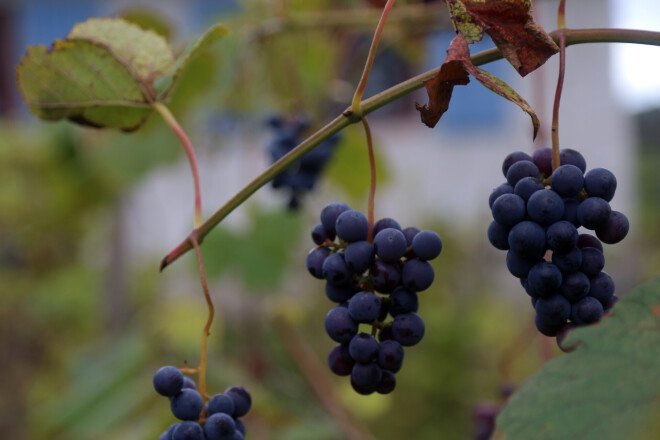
[207, 328]
[561, 15]
[555, 108]
[372, 189]
[359, 91]
[181, 134]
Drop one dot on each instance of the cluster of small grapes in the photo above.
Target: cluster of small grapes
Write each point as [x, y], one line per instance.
[538, 210]
[301, 175]
[356, 271]
[220, 417]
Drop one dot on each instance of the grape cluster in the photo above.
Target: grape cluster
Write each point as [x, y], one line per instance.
[219, 419]
[371, 281]
[538, 210]
[301, 176]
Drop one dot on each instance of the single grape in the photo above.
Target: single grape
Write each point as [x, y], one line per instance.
[168, 381]
[188, 430]
[187, 404]
[240, 426]
[498, 236]
[568, 262]
[504, 188]
[360, 389]
[315, 260]
[366, 375]
[427, 245]
[615, 229]
[242, 400]
[542, 158]
[385, 276]
[568, 156]
[387, 383]
[335, 270]
[553, 310]
[189, 383]
[587, 311]
[593, 261]
[518, 266]
[384, 223]
[219, 426]
[167, 435]
[520, 169]
[601, 287]
[586, 240]
[390, 245]
[527, 239]
[339, 325]
[220, 403]
[352, 226]
[509, 209]
[363, 348]
[562, 236]
[339, 294]
[359, 256]
[512, 158]
[364, 307]
[600, 182]
[390, 355]
[403, 300]
[575, 286]
[417, 275]
[609, 304]
[543, 279]
[339, 364]
[545, 207]
[567, 180]
[410, 233]
[330, 213]
[320, 234]
[593, 212]
[408, 329]
[527, 186]
[544, 327]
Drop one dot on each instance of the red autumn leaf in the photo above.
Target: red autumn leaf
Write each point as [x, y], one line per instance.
[440, 87]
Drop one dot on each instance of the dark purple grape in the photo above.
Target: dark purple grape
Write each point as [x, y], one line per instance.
[562, 236]
[335, 270]
[600, 182]
[366, 375]
[167, 435]
[568, 262]
[387, 383]
[575, 286]
[518, 266]
[512, 158]
[542, 158]
[553, 310]
[602, 287]
[352, 226]
[545, 207]
[384, 223]
[189, 383]
[527, 186]
[498, 236]
[570, 211]
[219, 427]
[330, 213]
[242, 400]
[504, 188]
[339, 364]
[593, 212]
[527, 239]
[390, 355]
[410, 233]
[403, 300]
[339, 294]
[545, 328]
[568, 156]
[593, 261]
[385, 276]
[543, 279]
[188, 430]
[315, 260]
[360, 389]
[615, 229]
[586, 311]
[567, 180]
[168, 381]
[220, 403]
[339, 325]
[187, 404]
[417, 275]
[521, 169]
[320, 234]
[509, 209]
[359, 256]
[408, 329]
[390, 245]
[427, 245]
[363, 348]
[609, 304]
[586, 240]
[364, 307]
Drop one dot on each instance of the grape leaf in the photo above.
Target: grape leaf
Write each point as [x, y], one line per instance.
[511, 26]
[608, 388]
[454, 71]
[101, 75]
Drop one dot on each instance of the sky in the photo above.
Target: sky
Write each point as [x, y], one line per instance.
[636, 67]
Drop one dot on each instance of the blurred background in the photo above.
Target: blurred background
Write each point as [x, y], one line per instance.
[86, 215]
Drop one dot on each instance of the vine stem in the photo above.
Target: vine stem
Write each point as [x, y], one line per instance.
[201, 370]
[190, 152]
[372, 188]
[561, 22]
[571, 36]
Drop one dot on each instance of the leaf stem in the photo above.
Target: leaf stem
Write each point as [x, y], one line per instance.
[555, 107]
[372, 189]
[359, 91]
[190, 152]
[572, 36]
[561, 14]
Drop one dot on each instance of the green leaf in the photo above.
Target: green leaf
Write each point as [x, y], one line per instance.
[609, 388]
[166, 84]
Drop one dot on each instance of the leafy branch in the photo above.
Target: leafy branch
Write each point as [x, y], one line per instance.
[571, 36]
